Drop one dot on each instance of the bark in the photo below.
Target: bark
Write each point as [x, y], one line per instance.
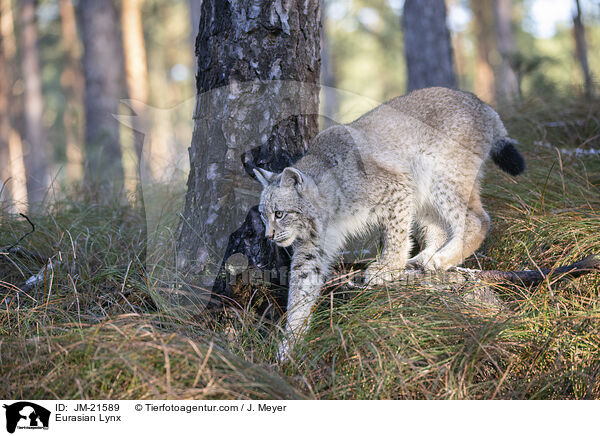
[36, 162]
[136, 66]
[103, 72]
[581, 50]
[73, 86]
[427, 45]
[258, 69]
[507, 82]
[484, 85]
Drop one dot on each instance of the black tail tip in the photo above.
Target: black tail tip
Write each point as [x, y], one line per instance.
[507, 157]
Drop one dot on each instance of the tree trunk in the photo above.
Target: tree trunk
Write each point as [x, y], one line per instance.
[136, 66]
[103, 71]
[581, 50]
[17, 169]
[427, 45]
[11, 113]
[507, 82]
[36, 162]
[5, 92]
[73, 85]
[258, 69]
[484, 85]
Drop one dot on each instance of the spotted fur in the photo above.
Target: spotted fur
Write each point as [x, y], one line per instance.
[414, 162]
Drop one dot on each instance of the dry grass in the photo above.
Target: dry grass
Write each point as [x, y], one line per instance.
[132, 357]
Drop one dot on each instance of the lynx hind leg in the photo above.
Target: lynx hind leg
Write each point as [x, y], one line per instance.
[396, 221]
[469, 225]
[433, 237]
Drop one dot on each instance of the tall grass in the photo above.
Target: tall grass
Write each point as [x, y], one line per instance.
[101, 323]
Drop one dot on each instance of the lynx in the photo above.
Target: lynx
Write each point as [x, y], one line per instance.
[411, 165]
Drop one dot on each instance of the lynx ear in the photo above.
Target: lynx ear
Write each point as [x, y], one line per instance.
[291, 177]
[264, 176]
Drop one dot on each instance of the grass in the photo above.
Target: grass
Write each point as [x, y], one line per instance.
[99, 326]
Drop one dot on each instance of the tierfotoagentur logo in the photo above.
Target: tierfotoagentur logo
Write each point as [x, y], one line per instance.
[26, 415]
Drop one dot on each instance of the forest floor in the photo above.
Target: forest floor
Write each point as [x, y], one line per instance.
[97, 326]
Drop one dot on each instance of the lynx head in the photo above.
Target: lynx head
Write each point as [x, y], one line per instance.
[284, 203]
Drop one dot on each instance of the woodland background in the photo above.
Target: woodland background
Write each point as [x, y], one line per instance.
[98, 108]
[146, 49]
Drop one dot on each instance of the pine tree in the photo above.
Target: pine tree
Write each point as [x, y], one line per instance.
[427, 45]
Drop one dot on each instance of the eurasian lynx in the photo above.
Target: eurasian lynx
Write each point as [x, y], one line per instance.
[414, 162]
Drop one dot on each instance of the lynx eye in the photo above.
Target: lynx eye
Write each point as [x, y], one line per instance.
[278, 214]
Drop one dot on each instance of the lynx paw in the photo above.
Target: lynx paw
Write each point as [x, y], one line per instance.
[373, 276]
[423, 261]
[376, 274]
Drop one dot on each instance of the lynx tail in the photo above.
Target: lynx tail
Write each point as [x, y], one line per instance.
[507, 157]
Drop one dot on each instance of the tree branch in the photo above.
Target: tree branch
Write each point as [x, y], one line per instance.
[457, 275]
[530, 277]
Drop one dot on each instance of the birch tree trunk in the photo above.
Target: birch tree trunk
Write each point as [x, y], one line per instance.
[581, 50]
[36, 163]
[507, 82]
[427, 45]
[258, 66]
[104, 73]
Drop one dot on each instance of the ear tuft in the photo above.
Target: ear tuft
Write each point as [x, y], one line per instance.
[264, 176]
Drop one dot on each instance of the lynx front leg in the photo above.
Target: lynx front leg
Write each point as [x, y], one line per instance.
[309, 268]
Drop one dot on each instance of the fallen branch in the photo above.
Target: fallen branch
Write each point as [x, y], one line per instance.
[460, 275]
[471, 284]
[533, 277]
[40, 277]
[26, 234]
[22, 252]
